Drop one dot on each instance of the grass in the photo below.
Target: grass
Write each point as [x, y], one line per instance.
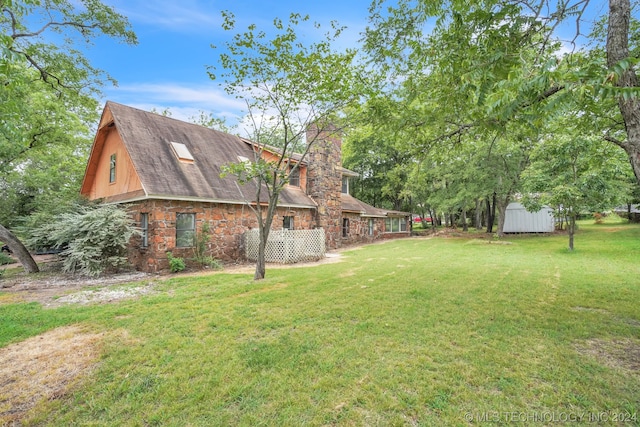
[410, 332]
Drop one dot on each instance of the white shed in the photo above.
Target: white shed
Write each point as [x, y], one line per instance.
[519, 220]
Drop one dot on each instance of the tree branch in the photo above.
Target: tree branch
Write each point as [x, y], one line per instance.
[621, 144]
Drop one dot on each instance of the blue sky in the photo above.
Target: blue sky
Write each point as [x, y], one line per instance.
[168, 67]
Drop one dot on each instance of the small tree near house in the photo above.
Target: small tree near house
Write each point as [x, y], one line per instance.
[292, 90]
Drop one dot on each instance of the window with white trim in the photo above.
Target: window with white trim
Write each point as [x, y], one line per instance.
[185, 230]
[395, 224]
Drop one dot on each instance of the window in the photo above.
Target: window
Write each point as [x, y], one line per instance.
[112, 169]
[395, 225]
[371, 226]
[182, 152]
[287, 223]
[345, 185]
[185, 230]
[294, 177]
[345, 227]
[144, 229]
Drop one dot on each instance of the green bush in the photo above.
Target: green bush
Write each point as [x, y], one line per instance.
[176, 264]
[202, 245]
[5, 259]
[94, 239]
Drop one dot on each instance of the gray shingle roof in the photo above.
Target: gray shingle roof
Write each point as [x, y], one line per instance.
[147, 138]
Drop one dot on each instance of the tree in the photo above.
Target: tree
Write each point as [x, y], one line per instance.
[289, 88]
[624, 77]
[383, 161]
[42, 81]
[574, 172]
[503, 59]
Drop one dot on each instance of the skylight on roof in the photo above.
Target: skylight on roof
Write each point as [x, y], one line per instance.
[182, 152]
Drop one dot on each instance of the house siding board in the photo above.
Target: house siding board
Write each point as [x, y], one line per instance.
[519, 220]
[126, 181]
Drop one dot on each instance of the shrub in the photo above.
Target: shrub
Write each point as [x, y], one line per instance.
[93, 238]
[5, 259]
[598, 217]
[202, 241]
[176, 264]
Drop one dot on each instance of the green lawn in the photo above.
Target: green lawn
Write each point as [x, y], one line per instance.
[443, 331]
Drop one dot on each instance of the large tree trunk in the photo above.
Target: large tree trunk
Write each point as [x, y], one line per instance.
[478, 214]
[491, 213]
[617, 50]
[19, 250]
[571, 228]
[502, 214]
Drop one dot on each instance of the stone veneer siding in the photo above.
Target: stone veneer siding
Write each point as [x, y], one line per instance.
[359, 229]
[324, 184]
[227, 224]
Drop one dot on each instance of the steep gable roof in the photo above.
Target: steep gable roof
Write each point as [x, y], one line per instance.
[148, 139]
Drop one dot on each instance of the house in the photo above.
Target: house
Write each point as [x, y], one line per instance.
[168, 175]
[518, 220]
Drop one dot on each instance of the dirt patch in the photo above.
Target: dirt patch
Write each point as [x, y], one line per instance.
[622, 353]
[54, 289]
[42, 368]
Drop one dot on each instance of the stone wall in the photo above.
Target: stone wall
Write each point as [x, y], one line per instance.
[359, 229]
[227, 224]
[324, 181]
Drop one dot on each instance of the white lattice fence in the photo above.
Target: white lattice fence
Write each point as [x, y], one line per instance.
[287, 246]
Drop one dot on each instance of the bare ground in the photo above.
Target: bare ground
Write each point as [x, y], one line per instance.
[43, 368]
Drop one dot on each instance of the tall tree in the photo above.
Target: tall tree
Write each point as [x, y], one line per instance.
[290, 87]
[574, 172]
[503, 59]
[620, 59]
[41, 80]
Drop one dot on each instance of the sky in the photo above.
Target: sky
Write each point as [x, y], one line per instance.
[168, 67]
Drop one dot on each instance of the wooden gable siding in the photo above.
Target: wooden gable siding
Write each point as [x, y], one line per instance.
[271, 157]
[127, 180]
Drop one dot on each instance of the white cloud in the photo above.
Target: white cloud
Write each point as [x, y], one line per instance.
[180, 16]
[183, 101]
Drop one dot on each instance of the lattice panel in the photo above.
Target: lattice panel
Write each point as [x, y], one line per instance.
[287, 246]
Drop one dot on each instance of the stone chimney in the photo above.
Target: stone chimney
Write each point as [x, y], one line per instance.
[324, 180]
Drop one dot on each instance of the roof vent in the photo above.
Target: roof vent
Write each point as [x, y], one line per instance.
[182, 152]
